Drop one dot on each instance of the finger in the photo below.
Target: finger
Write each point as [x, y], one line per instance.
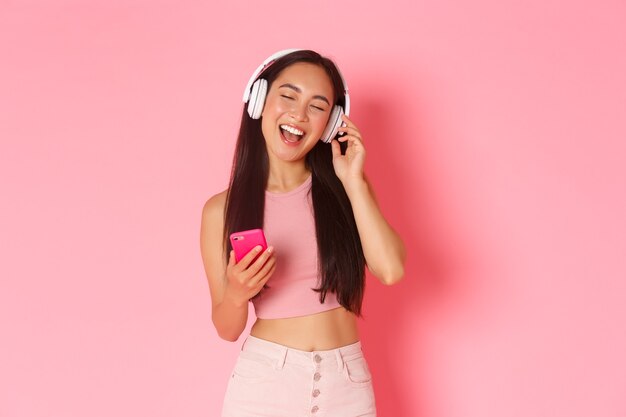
[269, 265]
[254, 268]
[350, 130]
[245, 262]
[351, 139]
[266, 277]
[347, 120]
[262, 262]
[336, 148]
[231, 258]
[346, 137]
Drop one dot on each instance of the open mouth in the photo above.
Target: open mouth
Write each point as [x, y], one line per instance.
[291, 134]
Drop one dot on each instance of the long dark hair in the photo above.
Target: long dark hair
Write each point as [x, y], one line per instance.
[340, 254]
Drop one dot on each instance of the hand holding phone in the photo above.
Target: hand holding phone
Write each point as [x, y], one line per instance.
[244, 241]
[248, 277]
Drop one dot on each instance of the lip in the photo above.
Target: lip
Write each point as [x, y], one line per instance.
[285, 141]
[288, 143]
[292, 125]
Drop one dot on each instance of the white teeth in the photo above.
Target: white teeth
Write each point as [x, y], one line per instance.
[292, 130]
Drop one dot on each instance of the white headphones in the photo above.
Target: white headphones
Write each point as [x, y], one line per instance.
[256, 92]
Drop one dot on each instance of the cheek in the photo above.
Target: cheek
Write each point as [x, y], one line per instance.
[273, 106]
[267, 127]
[271, 112]
[282, 110]
[321, 121]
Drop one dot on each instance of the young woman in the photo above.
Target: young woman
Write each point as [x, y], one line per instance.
[323, 227]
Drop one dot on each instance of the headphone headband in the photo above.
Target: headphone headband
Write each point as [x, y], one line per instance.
[270, 60]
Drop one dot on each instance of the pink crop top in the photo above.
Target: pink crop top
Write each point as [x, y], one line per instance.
[289, 226]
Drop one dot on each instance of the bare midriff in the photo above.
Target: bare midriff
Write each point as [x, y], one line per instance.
[322, 331]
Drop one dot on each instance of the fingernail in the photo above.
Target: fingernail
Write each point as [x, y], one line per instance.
[258, 248]
[270, 249]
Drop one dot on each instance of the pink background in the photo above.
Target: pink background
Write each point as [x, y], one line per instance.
[496, 141]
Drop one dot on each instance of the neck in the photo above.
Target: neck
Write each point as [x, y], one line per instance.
[285, 176]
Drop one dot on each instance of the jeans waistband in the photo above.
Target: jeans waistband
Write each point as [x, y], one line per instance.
[281, 354]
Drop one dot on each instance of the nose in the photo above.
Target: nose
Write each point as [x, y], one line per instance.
[298, 112]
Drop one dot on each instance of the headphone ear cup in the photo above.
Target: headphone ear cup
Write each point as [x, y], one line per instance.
[257, 98]
[334, 123]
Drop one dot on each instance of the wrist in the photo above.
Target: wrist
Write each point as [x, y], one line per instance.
[232, 299]
[355, 185]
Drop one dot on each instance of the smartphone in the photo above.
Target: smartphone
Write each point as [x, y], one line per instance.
[244, 241]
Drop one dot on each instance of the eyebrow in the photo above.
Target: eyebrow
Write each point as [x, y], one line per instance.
[296, 89]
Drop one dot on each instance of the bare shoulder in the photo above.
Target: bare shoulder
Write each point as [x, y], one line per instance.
[214, 206]
[212, 225]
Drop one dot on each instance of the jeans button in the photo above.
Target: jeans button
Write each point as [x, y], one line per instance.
[316, 393]
[314, 409]
[317, 358]
[317, 376]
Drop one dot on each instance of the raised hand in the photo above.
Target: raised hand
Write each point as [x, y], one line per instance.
[349, 166]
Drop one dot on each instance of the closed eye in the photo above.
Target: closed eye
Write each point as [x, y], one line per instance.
[287, 97]
[318, 108]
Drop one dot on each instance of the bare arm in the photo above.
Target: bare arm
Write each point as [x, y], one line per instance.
[229, 317]
[232, 284]
[383, 249]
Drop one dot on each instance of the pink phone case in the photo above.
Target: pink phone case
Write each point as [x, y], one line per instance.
[244, 241]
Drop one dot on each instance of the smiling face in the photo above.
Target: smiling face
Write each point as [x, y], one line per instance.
[296, 111]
